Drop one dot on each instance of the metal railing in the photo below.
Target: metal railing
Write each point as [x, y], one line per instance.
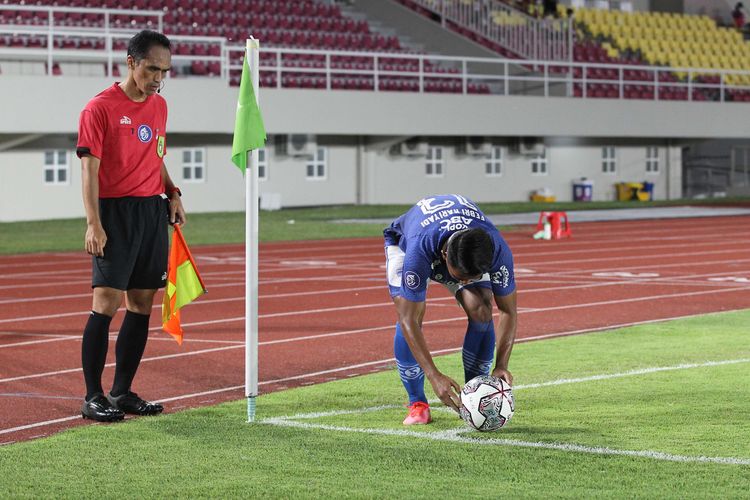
[323, 69]
[529, 37]
[375, 71]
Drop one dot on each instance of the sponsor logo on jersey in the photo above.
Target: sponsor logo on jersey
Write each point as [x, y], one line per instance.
[412, 280]
[501, 276]
[125, 120]
[144, 133]
[455, 223]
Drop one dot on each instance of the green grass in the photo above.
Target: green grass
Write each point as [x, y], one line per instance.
[309, 223]
[212, 452]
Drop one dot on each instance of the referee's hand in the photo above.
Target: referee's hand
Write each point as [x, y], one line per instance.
[96, 239]
[176, 211]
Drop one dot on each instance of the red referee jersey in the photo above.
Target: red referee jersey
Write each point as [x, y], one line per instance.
[129, 138]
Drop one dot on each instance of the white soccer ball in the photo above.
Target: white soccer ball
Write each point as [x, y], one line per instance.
[487, 403]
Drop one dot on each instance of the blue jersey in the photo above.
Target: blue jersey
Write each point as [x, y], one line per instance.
[423, 230]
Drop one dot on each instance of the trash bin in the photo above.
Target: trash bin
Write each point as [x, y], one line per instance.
[583, 190]
[628, 191]
[647, 193]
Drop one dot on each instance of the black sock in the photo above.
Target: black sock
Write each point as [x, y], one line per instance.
[94, 352]
[131, 342]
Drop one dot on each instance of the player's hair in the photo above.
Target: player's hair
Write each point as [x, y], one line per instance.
[141, 43]
[470, 251]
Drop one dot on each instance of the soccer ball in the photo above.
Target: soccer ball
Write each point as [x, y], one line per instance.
[487, 403]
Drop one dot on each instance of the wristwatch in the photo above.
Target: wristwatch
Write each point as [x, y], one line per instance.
[174, 190]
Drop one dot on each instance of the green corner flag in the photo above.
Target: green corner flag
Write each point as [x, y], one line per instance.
[249, 131]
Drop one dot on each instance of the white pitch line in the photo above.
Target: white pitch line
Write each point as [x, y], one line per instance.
[454, 437]
[314, 374]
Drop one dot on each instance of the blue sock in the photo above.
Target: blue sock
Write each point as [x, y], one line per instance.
[479, 349]
[412, 375]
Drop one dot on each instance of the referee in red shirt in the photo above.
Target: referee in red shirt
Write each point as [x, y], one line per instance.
[129, 199]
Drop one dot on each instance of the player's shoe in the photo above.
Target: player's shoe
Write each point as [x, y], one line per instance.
[419, 414]
[100, 409]
[130, 403]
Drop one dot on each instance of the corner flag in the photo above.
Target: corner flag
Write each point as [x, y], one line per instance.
[184, 285]
[249, 131]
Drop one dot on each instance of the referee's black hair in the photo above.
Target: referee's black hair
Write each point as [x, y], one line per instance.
[470, 252]
[141, 43]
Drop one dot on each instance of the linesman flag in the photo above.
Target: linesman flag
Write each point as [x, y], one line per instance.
[249, 131]
[184, 285]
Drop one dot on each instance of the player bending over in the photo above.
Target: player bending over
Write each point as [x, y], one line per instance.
[449, 240]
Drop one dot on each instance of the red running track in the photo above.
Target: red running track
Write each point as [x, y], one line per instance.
[325, 313]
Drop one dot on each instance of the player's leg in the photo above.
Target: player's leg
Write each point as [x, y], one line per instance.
[479, 343]
[411, 374]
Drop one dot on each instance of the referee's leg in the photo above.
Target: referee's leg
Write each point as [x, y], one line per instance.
[131, 341]
[95, 342]
[94, 346]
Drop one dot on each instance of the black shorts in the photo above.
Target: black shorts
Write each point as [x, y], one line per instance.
[137, 248]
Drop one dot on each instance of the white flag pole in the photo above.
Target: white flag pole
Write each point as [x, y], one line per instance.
[251, 253]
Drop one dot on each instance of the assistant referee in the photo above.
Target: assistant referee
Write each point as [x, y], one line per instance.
[129, 199]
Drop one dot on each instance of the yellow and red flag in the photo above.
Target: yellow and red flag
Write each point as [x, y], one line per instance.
[184, 285]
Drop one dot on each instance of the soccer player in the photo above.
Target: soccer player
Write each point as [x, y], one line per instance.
[449, 240]
[129, 199]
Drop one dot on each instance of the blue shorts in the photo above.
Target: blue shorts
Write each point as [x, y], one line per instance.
[395, 264]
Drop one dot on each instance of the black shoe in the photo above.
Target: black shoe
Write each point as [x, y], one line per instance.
[99, 408]
[132, 404]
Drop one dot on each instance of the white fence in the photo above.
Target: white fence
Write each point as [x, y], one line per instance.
[45, 43]
[331, 70]
[530, 38]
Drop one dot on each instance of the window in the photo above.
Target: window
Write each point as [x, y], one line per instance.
[262, 164]
[609, 162]
[652, 160]
[316, 165]
[434, 165]
[539, 164]
[194, 165]
[56, 167]
[494, 165]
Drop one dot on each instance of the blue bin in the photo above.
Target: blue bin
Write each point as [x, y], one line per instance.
[583, 190]
[648, 187]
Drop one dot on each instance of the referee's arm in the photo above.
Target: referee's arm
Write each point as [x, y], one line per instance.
[176, 211]
[96, 238]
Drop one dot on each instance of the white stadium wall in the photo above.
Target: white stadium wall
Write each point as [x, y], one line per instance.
[357, 130]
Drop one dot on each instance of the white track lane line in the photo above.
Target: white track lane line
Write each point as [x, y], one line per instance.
[356, 332]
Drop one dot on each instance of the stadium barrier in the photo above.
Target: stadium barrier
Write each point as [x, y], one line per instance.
[47, 44]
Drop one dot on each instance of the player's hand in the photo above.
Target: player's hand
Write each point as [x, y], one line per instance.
[176, 211]
[503, 374]
[95, 240]
[447, 390]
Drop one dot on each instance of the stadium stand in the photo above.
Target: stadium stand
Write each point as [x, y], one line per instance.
[621, 43]
[314, 44]
[279, 23]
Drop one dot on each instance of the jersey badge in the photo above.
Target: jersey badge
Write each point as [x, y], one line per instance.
[144, 133]
[412, 280]
[160, 146]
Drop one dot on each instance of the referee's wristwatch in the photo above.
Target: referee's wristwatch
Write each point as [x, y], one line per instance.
[174, 190]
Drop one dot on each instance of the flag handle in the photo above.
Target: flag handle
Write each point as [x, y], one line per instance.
[251, 253]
